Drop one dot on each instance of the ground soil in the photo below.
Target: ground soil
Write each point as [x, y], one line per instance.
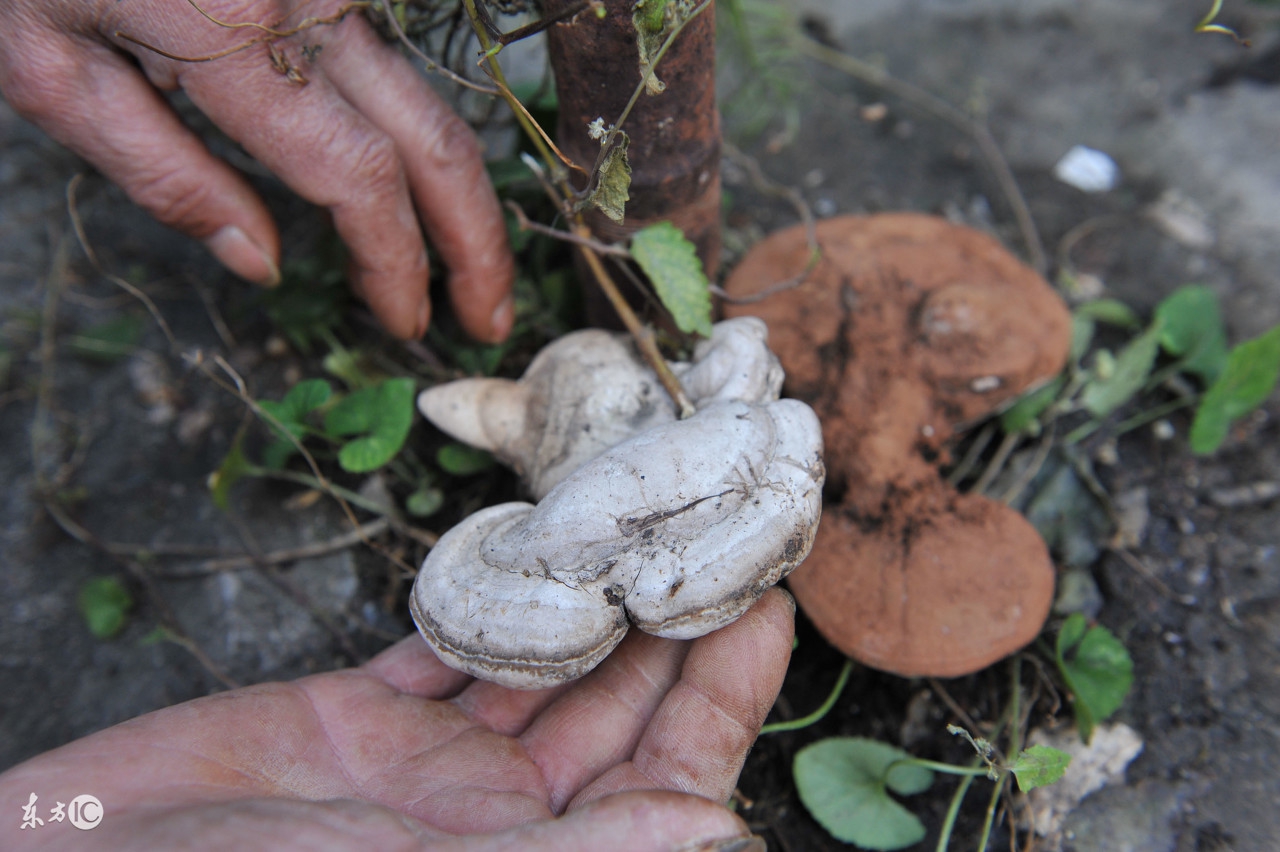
[1197, 602]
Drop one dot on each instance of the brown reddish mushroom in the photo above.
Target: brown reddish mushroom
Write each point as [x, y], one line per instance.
[909, 329]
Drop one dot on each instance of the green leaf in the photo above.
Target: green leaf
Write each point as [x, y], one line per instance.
[843, 781]
[461, 460]
[425, 502]
[1107, 390]
[1247, 380]
[301, 400]
[347, 365]
[306, 396]
[672, 264]
[277, 454]
[1065, 511]
[156, 636]
[105, 603]
[1097, 668]
[1039, 766]
[109, 341]
[290, 415]
[382, 416]
[1020, 416]
[312, 297]
[1110, 311]
[1191, 328]
[1082, 329]
[234, 466]
[613, 188]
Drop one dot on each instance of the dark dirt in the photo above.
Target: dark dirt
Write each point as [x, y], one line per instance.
[1197, 602]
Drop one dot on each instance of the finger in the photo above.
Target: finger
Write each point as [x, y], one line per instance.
[652, 821]
[502, 710]
[699, 737]
[598, 723]
[95, 103]
[277, 823]
[331, 155]
[446, 174]
[410, 667]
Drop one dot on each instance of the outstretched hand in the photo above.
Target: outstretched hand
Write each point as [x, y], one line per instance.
[365, 137]
[406, 753]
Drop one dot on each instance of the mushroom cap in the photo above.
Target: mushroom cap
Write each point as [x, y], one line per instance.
[589, 391]
[520, 630]
[581, 395]
[902, 297]
[908, 329]
[943, 592]
[682, 527]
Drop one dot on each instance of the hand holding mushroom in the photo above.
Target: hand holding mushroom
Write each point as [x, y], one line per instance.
[404, 752]
[675, 526]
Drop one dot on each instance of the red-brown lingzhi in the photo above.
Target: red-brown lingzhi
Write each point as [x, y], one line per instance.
[909, 329]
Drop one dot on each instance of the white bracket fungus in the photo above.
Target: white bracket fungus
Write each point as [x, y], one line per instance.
[677, 526]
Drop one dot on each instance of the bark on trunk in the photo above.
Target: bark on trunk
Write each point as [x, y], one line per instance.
[675, 136]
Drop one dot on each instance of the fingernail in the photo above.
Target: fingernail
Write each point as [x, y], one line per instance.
[754, 843]
[791, 599]
[239, 254]
[504, 317]
[424, 317]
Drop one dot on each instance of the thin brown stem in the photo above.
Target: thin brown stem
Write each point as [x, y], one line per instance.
[280, 557]
[1037, 462]
[272, 31]
[960, 713]
[74, 213]
[541, 24]
[269, 34]
[430, 63]
[643, 335]
[527, 224]
[974, 453]
[997, 463]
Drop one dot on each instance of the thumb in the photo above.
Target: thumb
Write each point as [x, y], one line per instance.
[648, 821]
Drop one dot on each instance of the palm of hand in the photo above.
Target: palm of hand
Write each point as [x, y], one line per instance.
[350, 754]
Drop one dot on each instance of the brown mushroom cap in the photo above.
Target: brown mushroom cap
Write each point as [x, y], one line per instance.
[943, 589]
[908, 329]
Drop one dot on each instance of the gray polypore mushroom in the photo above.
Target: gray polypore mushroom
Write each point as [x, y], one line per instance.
[677, 527]
[589, 391]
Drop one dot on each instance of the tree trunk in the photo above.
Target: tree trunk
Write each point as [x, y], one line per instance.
[675, 135]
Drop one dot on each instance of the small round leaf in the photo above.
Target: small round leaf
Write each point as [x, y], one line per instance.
[844, 782]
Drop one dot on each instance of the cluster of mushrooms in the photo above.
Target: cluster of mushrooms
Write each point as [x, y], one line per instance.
[675, 526]
[908, 330]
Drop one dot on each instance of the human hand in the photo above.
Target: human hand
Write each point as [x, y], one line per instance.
[365, 137]
[406, 753]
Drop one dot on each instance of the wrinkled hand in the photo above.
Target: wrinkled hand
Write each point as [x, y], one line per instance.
[404, 753]
[366, 138]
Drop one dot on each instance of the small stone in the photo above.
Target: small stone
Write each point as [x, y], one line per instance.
[1133, 513]
[1095, 765]
[1183, 220]
[874, 113]
[1088, 170]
